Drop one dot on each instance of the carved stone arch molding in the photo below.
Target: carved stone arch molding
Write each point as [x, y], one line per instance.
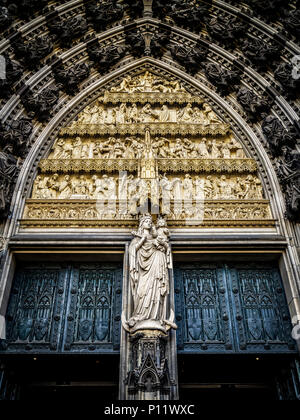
[242, 131]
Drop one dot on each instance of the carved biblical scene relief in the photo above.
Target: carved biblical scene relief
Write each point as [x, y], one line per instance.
[147, 145]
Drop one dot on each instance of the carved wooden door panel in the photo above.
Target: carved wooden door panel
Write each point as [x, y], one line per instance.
[231, 309]
[64, 308]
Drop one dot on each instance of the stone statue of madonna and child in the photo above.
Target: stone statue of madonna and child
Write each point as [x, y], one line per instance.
[149, 264]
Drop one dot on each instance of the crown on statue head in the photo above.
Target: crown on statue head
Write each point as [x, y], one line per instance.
[144, 217]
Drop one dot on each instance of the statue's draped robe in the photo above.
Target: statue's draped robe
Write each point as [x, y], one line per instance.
[149, 280]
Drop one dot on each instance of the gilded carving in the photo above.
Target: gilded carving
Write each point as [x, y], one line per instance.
[147, 145]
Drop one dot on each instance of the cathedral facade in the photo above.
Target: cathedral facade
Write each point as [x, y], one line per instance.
[150, 200]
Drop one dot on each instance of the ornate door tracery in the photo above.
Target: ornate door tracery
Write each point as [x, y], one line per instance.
[65, 308]
[231, 309]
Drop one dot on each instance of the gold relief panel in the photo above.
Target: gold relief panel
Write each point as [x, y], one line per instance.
[123, 147]
[94, 213]
[127, 113]
[147, 145]
[188, 186]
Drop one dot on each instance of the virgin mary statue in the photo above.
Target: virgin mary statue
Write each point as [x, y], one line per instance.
[149, 260]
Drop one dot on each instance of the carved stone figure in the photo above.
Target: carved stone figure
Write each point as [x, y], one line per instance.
[290, 84]
[276, 134]
[251, 103]
[5, 18]
[133, 114]
[65, 188]
[164, 115]
[8, 173]
[136, 43]
[147, 114]
[58, 148]
[190, 58]
[186, 115]
[70, 78]
[225, 151]
[187, 187]
[8, 163]
[39, 188]
[292, 198]
[188, 14]
[199, 188]
[104, 58]
[226, 30]
[149, 260]
[104, 14]
[270, 9]
[209, 115]
[260, 52]
[291, 22]
[224, 79]
[17, 133]
[25, 8]
[214, 149]
[134, 8]
[237, 148]
[68, 29]
[159, 43]
[14, 71]
[41, 104]
[121, 117]
[224, 188]
[288, 163]
[77, 147]
[166, 194]
[52, 186]
[209, 187]
[32, 52]
[202, 149]
[147, 82]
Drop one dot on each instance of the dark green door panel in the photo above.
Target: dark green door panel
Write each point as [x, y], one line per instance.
[62, 308]
[231, 309]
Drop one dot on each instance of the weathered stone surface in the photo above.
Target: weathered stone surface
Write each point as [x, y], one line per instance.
[70, 78]
[14, 72]
[290, 84]
[41, 104]
[226, 30]
[191, 58]
[105, 57]
[67, 30]
[33, 51]
[135, 42]
[8, 172]
[254, 106]
[276, 135]
[224, 79]
[16, 134]
[261, 53]
[104, 14]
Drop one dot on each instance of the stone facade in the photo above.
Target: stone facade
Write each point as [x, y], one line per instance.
[202, 95]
